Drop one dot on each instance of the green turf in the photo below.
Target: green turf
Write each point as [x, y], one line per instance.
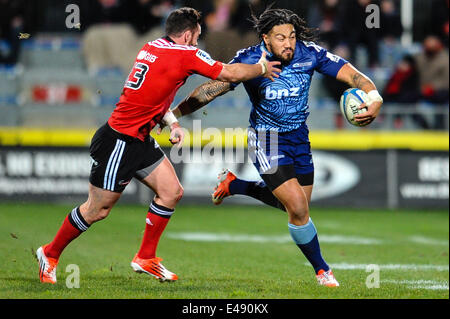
[224, 270]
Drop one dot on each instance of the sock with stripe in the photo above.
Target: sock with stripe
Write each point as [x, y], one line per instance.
[257, 190]
[305, 237]
[73, 225]
[157, 219]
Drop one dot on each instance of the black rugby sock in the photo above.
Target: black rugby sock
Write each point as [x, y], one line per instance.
[257, 190]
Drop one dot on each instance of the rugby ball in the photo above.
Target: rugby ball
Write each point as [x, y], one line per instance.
[350, 101]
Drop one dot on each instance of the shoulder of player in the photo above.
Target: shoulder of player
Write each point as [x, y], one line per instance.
[310, 46]
[249, 54]
[164, 44]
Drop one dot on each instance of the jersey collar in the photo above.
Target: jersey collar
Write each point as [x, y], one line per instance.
[168, 39]
[264, 48]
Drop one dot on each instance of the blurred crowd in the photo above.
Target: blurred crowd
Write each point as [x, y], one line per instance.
[114, 30]
[15, 17]
[423, 77]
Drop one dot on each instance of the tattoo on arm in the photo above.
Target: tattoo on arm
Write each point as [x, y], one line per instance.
[360, 81]
[202, 95]
[212, 89]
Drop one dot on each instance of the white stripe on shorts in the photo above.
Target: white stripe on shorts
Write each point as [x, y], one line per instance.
[259, 153]
[116, 167]
[262, 157]
[113, 163]
[263, 161]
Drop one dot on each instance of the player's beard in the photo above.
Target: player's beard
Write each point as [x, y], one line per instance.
[283, 57]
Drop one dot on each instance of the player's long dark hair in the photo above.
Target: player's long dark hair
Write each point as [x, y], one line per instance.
[273, 17]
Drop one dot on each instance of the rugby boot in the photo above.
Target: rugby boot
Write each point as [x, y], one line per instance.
[47, 266]
[222, 190]
[326, 278]
[152, 267]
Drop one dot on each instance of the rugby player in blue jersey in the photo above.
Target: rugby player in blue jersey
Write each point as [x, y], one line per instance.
[278, 139]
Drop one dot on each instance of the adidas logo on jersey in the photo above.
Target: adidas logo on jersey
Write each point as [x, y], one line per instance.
[278, 94]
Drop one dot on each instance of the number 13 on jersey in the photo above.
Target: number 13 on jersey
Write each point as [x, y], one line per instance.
[137, 76]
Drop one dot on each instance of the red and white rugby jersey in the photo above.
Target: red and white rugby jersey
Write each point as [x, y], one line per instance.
[160, 69]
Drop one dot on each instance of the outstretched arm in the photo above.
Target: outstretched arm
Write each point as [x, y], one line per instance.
[201, 96]
[350, 75]
[208, 91]
[241, 72]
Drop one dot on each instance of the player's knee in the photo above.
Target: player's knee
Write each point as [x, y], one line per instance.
[104, 212]
[176, 194]
[101, 213]
[179, 193]
[297, 207]
[172, 197]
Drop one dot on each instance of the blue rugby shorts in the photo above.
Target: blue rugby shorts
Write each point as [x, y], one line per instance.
[270, 149]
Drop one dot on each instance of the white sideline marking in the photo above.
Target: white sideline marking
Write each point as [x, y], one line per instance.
[349, 240]
[224, 237]
[215, 237]
[323, 238]
[428, 241]
[345, 266]
[421, 284]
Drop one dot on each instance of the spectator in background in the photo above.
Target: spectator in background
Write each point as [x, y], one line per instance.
[354, 32]
[324, 16]
[117, 29]
[433, 67]
[391, 28]
[390, 31]
[403, 88]
[12, 23]
[104, 12]
[440, 20]
[221, 41]
[219, 19]
[108, 38]
[242, 22]
[149, 15]
[227, 26]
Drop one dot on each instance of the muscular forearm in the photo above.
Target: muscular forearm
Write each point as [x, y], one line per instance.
[350, 75]
[362, 82]
[240, 72]
[201, 96]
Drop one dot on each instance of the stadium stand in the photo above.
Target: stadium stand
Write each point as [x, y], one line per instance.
[51, 86]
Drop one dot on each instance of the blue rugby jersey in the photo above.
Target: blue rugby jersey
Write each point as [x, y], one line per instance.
[282, 105]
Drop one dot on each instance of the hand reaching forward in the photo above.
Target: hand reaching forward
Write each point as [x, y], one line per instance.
[269, 69]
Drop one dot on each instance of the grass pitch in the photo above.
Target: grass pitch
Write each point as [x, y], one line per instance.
[230, 252]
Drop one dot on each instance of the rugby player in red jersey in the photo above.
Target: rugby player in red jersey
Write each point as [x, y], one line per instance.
[122, 148]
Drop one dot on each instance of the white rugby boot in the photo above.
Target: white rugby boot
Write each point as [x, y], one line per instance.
[326, 278]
